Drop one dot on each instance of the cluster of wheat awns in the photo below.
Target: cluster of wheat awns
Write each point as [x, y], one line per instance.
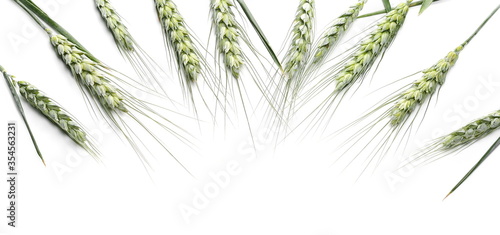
[303, 57]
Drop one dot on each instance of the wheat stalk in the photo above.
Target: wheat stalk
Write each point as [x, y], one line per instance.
[424, 88]
[325, 46]
[335, 31]
[54, 112]
[402, 106]
[367, 52]
[402, 112]
[86, 71]
[458, 139]
[114, 101]
[145, 67]
[431, 80]
[107, 88]
[227, 35]
[301, 36]
[179, 39]
[114, 23]
[472, 131]
[185, 49]
[352, 68]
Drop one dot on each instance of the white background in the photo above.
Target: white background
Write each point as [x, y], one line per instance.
[287, 190]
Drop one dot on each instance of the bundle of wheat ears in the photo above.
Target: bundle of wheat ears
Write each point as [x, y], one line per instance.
[219, 72]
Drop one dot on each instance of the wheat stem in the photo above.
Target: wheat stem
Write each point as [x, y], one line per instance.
[380, 12]
[482, 25]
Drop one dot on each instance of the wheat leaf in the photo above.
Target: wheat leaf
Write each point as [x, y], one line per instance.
[425, 5]
[474, 168]
[32, 8]
[17, 100]
[259, 31]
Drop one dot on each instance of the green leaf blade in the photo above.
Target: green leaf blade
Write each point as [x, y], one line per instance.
[387, 5]
[15, 95]
[425, 5]
[260, 33]
[34, 10]
[475, 167]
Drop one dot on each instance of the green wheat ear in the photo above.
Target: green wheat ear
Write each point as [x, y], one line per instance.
[144, 66]
[335, 31]
[426, 86]
[398, 113]
[472, 131]
[58, 115]
[422, 89]
[179, 39]
[114, 23]
[301, 36]
[227, 35]
[107, 91]
[367, 52]
[86, 71]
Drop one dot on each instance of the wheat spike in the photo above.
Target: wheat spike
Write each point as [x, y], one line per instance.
[114, 23]
[401, 109]
[302, 35]
[335, 31]
[227, 35]
[179, 38]
[423, 88]
[53, 111]
[114, 101]
[144, 66]
[87, 72]
[352, 68]
[458, 139]
[472, 131]
[367, 52]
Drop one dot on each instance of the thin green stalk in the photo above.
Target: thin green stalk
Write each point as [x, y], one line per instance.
[17, 100]
[482, 25]
[387, 5]
[380, 12]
